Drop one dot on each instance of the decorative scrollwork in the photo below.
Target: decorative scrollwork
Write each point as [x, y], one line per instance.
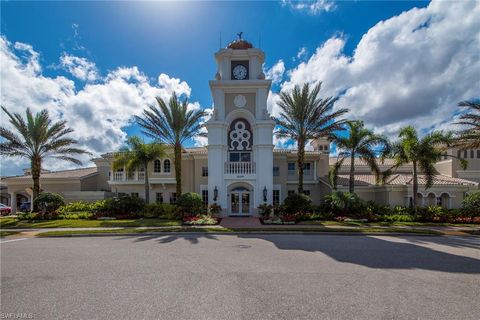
[240, 137]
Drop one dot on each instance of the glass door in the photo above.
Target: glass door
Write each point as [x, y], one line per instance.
[235, 203]
[240, 203]
[245, 203]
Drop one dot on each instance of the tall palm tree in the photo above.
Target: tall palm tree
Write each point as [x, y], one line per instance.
[423, 153]
[172, 123]
[362, 143]
[137, 154]
[470, 137]
[305, 116]
[37, 138]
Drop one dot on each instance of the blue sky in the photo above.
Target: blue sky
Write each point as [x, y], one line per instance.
[86, 53]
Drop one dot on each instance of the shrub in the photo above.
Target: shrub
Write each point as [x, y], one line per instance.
[471, 205]
[76, 215]
[346, 204]
[264, 210]
[190, 203]
[214, 209]
[48, 202]
[29, 216]
[296, 203]
[121, 206]
[78, 206]
[160, 210]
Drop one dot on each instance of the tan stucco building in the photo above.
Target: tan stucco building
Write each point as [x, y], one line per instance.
[240, 169]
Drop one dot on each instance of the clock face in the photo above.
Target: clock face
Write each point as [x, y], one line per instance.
[240, 72]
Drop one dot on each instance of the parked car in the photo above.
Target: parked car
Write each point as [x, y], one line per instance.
[5, 210]
[24, 207]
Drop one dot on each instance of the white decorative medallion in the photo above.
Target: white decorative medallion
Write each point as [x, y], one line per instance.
[240, 101]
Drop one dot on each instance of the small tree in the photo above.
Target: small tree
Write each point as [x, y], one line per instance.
[305, 116]
[172, 123]
[138, 154]
[423, 153]
[362, 143]
[37, 138]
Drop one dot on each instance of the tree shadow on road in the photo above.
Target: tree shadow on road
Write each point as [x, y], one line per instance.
[193, 238]
[400, 252]
[380, 253]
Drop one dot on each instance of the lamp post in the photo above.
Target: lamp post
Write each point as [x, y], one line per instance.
[215, 194]
[265, 194]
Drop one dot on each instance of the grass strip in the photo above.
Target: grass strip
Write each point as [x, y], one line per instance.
[13, 223]
[246, 230]
[7, 233]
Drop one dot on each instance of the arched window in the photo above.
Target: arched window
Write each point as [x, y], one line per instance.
[166, 166]
[157, 166]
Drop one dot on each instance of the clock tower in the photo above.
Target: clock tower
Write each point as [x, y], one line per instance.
[240, 132]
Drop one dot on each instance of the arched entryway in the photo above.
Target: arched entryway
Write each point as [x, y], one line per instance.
[240, 199]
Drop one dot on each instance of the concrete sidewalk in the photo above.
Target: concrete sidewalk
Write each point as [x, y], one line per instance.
[254, 223]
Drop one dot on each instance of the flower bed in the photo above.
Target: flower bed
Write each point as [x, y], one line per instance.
[284, 219]
[200, 220]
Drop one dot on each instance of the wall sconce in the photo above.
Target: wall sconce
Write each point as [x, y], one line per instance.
[265, 194]
[215, 194]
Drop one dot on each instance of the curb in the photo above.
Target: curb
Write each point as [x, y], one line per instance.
[339, 233]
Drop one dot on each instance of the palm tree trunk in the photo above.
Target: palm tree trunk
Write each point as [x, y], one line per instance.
[178, 168]
[147, 187]
[415, 185]
[300, 160]
[351, 181]
[36, 168]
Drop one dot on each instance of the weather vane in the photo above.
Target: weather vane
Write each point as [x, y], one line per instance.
[240, 35]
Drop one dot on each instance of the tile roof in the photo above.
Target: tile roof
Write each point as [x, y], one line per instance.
[74, 173]
[403, 179]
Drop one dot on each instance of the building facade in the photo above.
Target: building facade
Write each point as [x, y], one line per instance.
[240, 169]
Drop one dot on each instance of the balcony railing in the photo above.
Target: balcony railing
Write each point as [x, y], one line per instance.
[134, 176]
[240, 167]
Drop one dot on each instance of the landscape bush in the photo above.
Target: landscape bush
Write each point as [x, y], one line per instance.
[48, 202]
[297, 203]
[160, 210]
[190, 203]
[125, 206]
[345, 204]
[471, 205]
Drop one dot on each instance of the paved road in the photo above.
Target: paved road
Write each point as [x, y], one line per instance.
[242, 277]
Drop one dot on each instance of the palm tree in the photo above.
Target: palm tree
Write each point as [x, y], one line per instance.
[137, 154]
[470, 137]
[172, 124]
[423, 153]
[36, 139]
[305, 116]
[362, 143]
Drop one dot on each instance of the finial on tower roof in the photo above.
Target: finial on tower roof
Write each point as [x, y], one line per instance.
[240, 35]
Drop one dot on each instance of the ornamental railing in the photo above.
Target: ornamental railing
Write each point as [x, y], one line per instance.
[239, 167]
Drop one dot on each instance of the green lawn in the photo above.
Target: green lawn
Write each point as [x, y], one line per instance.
[7, 233]
[12, 223]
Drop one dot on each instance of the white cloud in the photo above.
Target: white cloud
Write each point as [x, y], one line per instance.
[302, 53]
[80, 68]
[276, 72]
[97, 112]
[312, 7]
[411, 69]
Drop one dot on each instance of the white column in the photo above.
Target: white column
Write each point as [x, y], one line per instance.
[13, 201]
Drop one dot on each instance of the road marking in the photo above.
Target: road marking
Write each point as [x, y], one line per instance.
[5, 241]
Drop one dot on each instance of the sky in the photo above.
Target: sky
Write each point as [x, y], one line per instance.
[97, 64]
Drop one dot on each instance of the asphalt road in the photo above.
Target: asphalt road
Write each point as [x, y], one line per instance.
[242, 277]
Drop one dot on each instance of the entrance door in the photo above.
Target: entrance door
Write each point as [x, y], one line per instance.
[240, 203]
